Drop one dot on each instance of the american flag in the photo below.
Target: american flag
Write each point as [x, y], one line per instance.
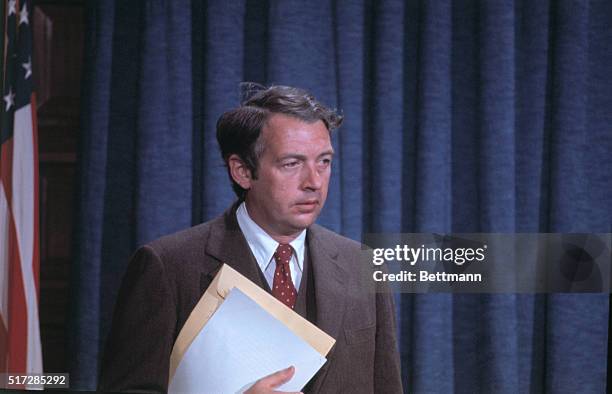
[20, 347]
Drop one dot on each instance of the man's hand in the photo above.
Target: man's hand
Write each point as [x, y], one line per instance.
[269, 383]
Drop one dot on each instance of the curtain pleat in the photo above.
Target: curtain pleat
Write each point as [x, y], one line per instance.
[460, 116]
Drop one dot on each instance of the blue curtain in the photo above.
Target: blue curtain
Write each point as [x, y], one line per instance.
[463, 116]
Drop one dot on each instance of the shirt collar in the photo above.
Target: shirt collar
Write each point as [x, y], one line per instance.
[262, 245]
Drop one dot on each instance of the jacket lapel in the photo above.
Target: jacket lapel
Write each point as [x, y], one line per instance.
[330, 289]
[227, 245]
[330, 282]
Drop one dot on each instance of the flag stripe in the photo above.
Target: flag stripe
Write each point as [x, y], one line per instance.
[3, 346]
[4, 256]
[4, 276]
[36, 253]
[17, 315]
[6, 170]
[6, 174]
[23, 214]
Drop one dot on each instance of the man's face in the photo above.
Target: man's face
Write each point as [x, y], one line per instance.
[292, 176]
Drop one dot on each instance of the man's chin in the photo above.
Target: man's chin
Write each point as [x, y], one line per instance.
[304, 220]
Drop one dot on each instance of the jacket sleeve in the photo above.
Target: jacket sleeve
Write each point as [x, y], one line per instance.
[387, 374]
[141, 337]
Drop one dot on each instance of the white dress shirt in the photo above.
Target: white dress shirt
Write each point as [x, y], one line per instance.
[263, 247]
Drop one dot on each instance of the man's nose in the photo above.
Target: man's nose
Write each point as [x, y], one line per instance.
[313, 179]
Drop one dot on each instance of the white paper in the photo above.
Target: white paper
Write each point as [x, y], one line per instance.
[239, 345]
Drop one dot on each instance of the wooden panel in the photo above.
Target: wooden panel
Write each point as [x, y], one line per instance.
[58, 34]
[58, 56]
[57, 190]
[58, 31]
[56, 196]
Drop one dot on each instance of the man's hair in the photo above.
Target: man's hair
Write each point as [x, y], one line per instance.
[239, 130]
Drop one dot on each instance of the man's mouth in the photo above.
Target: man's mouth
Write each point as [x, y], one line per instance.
[307, 206]
[308, 202]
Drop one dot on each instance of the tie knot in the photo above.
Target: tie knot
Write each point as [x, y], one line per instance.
[283, 254]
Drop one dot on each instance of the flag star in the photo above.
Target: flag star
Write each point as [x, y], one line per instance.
[28, 68]
[9, 99]
[23, 15]
[12, 7]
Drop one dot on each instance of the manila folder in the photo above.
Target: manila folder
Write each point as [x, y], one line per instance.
[226, 279]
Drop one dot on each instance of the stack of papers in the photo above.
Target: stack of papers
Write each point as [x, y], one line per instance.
[237, 334]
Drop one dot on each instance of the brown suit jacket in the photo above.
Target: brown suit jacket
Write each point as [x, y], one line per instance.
[166, 278]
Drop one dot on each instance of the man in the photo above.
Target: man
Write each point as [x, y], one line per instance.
[278, 152]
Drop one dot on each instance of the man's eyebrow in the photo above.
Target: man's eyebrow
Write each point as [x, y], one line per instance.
[292, 156]
[300, 156]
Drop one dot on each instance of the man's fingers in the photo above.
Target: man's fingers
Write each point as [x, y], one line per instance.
[267, 384]
[278, 378]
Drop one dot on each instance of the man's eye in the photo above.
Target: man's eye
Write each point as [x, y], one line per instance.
[291, 164]
[326, 162]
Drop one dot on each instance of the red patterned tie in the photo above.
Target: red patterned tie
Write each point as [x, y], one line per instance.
[282, 286]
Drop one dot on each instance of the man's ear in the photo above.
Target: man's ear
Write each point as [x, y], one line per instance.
[241, 174]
